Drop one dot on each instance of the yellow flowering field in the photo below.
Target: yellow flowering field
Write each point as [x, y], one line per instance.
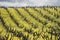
[30, 23]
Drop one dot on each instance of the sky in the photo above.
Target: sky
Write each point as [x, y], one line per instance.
[31, 3]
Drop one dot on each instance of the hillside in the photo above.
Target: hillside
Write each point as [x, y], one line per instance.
[42, 23]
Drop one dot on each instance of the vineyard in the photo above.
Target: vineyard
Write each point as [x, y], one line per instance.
[42, 23]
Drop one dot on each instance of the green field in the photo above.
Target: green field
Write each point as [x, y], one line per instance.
[42, 23]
